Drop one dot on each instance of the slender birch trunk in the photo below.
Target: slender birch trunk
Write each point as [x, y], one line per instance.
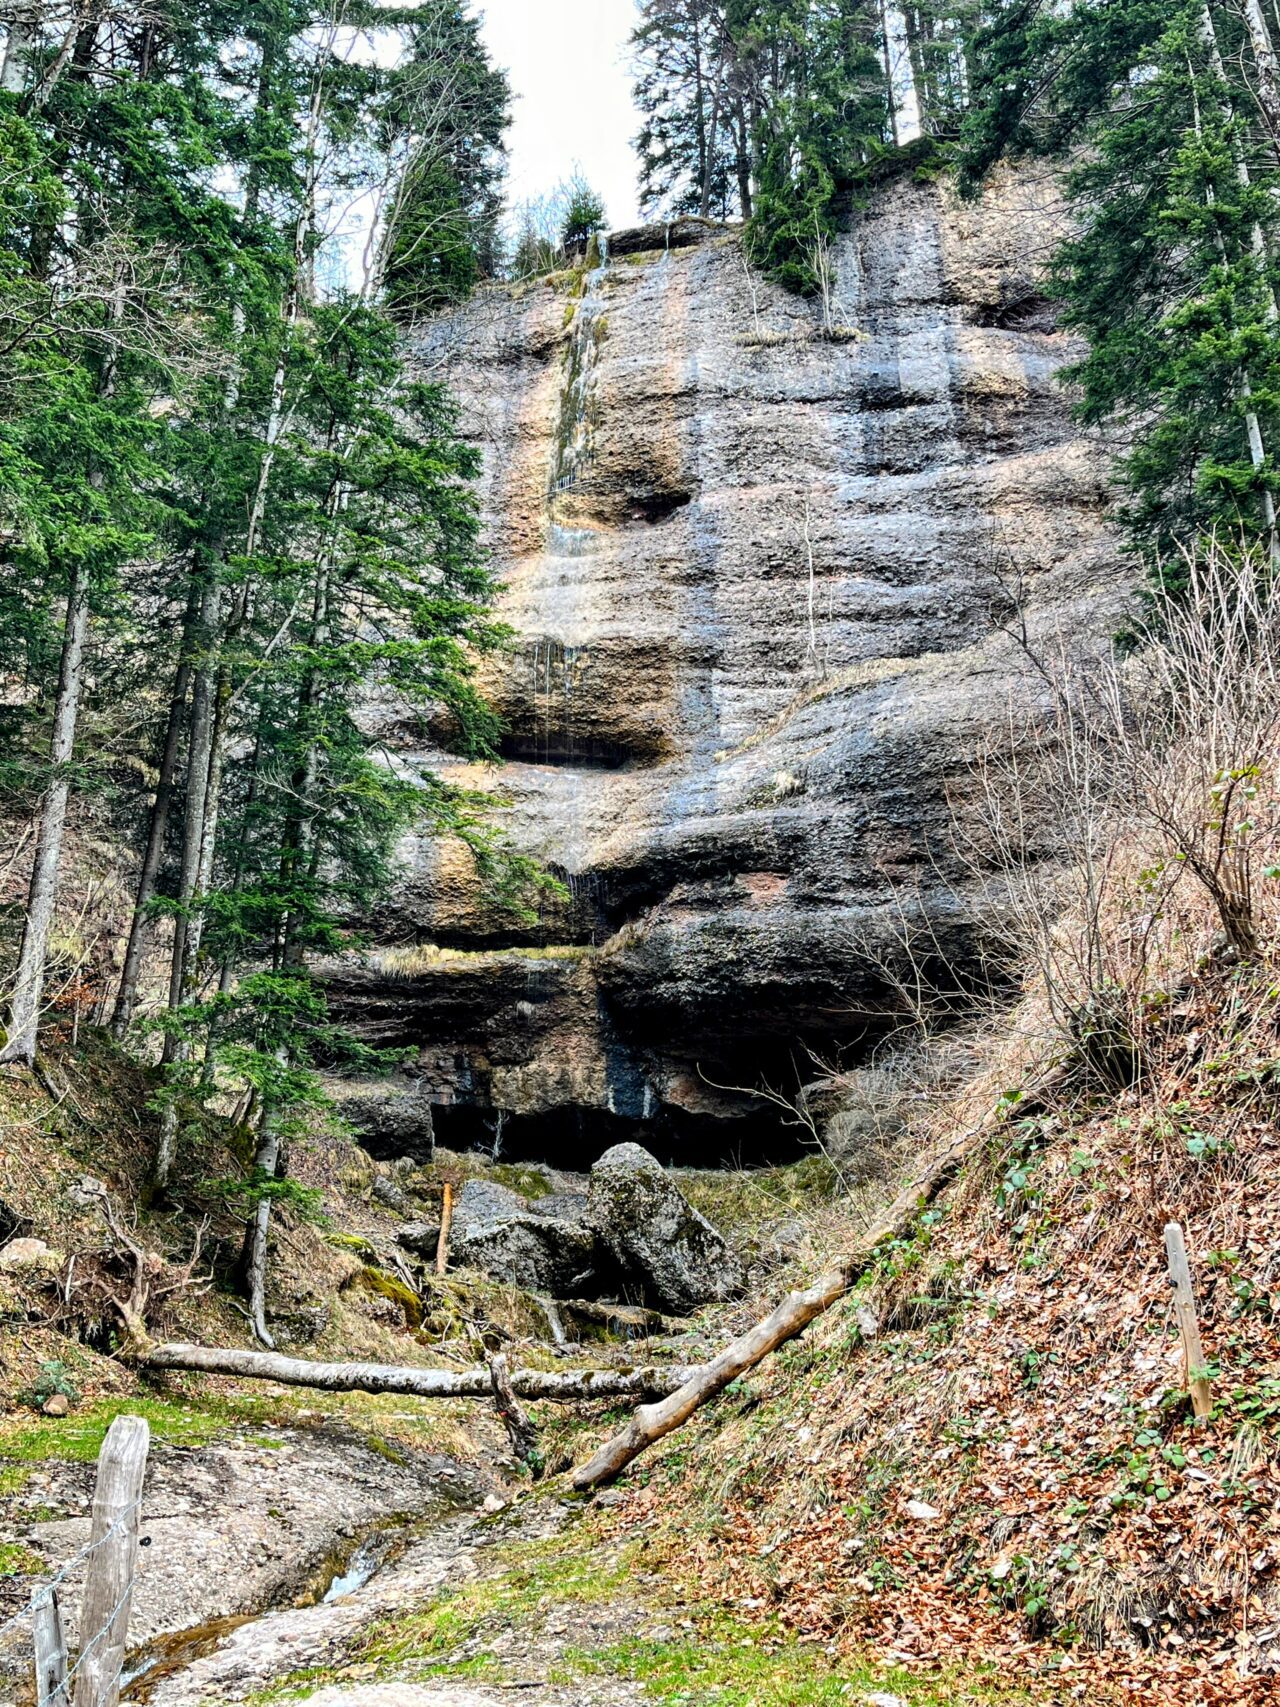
[20, 44]
[162, 805]
[1267, 89]
[266, 1162]
[1252, 426]
[28, 996]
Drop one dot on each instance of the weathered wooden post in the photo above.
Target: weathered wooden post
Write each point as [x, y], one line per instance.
[113, 1560]
[1184, 1304]
[51, 1651]
[446, 1221]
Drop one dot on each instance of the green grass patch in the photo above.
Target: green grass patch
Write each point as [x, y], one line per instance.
[19, 1561]
[78, 1438]
[539, 1575]
[734, 1665]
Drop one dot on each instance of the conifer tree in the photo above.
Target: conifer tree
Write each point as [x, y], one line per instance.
[1170, 275]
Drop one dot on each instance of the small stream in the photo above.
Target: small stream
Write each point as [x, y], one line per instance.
[347, 1569]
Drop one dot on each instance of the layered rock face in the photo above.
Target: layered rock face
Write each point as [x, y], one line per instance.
[757, 556]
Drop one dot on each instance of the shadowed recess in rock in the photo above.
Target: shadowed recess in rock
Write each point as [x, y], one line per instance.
[574, 1138]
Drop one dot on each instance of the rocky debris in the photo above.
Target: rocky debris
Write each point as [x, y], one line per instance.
[656, 1237]
[391, 1118]
[391, 1195]
[420, 1238]
[30, 1256]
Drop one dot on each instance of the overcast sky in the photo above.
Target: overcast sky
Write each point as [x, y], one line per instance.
[568, 62]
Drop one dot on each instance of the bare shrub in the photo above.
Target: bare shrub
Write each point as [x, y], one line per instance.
[1125, 821]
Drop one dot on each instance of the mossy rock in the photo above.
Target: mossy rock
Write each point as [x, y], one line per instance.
[383, 1285]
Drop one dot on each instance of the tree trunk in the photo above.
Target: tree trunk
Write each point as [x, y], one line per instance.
[713, 132]
[199, 747]
[521, 1430]
[790, 1318]
[265, 1162]
[139, 929]
[1252, 426]
[568, 1385]
[1267, 88]
[22, 41]
[28, 996]
[743, 163]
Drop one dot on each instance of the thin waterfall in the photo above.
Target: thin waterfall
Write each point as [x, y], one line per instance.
[576, 439]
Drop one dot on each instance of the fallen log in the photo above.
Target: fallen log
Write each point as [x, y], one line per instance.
[651, 1422]
[568, 1385]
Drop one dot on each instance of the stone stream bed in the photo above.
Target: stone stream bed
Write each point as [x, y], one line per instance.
[267, 1556]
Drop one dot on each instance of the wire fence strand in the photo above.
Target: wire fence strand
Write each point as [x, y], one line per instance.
[47, 1587]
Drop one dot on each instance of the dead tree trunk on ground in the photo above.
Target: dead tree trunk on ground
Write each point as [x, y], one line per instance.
[520, 1428]
[651, 1422]
[569, 1385]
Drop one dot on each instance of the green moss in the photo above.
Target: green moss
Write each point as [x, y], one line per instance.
[351, 1242]
[384, 1285]
[748, 1199]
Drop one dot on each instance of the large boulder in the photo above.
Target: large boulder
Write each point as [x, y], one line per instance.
[421, 1238]
[535, 1252]
[484, 1203]
[659, 1240]
[501, 1234]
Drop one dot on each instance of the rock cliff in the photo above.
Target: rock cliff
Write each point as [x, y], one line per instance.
[757, 557]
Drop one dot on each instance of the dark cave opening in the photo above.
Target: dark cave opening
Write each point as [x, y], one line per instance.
[574, 1138]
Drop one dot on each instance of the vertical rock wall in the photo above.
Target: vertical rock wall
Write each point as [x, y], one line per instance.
[757, 569]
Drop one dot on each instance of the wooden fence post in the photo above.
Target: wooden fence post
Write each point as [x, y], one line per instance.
[51, 1651]
[446, 1221]
[1184, 1304]
[108, 1586]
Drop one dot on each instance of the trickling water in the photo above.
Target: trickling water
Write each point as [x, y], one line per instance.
[555, 1322]
[554, 673]
[575, 449]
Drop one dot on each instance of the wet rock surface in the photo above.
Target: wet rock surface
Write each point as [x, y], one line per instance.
[454, 1553]
[231, 1528]
[761, 579]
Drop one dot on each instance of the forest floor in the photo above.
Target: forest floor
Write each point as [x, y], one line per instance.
[975, 1481]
